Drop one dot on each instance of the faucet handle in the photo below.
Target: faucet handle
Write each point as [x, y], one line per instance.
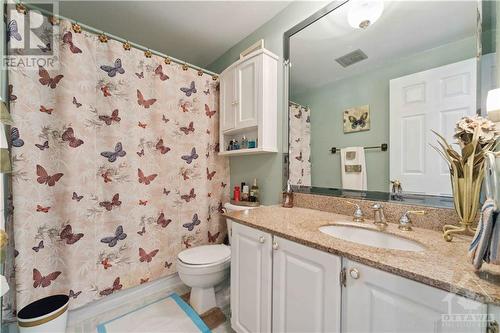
[358, 213]
[405, 221]
[377, 206]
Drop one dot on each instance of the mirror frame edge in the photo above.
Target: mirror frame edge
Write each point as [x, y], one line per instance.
[287, 65]
[319, 14]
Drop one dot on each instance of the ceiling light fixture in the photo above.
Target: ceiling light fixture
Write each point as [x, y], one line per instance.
[363, 13]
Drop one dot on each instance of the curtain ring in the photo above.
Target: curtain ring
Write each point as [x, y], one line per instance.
[76, 27]
[167, 61]
[127, 46]
[185, 67]
[53, 20]
[148, 53]
[103, 38]
[21, 8]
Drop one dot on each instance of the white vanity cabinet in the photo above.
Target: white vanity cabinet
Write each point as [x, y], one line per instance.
[302, 282]
[281, 286]
[249, 103]
[377, 301]
[251, 279]
[306, 288]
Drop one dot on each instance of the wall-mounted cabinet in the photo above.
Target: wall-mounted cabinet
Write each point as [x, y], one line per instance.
[249, 104]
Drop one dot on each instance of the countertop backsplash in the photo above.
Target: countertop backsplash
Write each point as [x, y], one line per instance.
[433, 219]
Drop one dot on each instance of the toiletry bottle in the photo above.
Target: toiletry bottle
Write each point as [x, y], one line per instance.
[236, 145]
[251, 144]
[245, 193]
[242, 191]
[236, 193]
[288, 196]
[230, 147]
[244, 143]
[254, 191]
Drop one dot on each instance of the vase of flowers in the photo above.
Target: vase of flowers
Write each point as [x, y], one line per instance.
[474, 136]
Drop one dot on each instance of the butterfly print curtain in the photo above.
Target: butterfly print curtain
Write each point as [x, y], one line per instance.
[300, 145]
[115, 169]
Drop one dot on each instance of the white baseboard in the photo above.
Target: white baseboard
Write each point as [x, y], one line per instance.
[161, 286]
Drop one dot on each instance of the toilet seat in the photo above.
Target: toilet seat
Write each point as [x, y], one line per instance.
[205, 255]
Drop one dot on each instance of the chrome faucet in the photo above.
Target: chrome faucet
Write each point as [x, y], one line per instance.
[379, 217]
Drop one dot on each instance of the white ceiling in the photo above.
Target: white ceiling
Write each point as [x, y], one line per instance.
[405, 28]
[195, 31]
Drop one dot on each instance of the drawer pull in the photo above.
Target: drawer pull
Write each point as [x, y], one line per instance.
[262, 239]
[275, 245]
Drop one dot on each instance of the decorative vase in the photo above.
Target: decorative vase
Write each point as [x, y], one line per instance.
[475, 136]
[466, 193]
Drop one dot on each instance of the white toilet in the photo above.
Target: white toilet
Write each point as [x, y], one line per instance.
[203, 267]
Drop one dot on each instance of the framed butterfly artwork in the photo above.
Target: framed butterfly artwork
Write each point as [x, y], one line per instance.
[357, 119]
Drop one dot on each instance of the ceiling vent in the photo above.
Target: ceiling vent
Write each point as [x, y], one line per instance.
[351, 58]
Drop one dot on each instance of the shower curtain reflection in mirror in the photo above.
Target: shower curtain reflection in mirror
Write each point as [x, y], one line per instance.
[300, 145]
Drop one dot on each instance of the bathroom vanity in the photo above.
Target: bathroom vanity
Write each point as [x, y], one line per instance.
[288, 276]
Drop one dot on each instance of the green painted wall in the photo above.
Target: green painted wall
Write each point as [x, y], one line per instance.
[267, 168]
[328, 103]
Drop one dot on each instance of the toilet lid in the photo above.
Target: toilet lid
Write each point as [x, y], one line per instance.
[205, 254]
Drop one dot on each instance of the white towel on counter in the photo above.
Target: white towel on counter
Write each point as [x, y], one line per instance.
[485, 244]
[353, 167]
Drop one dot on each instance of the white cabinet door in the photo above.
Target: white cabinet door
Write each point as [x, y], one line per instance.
[430, 100]
[227, 99]
[306, 289]
[378, 301]
[251, 278]
[249, 93]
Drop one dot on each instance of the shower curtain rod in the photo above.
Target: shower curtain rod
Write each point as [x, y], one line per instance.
[297, 104]
[135, 45]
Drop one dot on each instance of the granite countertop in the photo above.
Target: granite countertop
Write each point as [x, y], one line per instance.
[442, 264]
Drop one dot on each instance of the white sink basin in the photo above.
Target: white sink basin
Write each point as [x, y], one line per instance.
[371, 237]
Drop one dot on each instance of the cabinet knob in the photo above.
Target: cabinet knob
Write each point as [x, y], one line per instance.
[262, 239]
[354, 273]
[275, 245]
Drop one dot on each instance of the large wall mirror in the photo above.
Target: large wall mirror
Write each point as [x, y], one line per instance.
[369, 81]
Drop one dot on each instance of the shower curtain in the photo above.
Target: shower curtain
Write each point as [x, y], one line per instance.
[300, 145]
[115, 169]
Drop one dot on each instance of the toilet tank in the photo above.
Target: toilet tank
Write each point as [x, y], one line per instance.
[230, 208]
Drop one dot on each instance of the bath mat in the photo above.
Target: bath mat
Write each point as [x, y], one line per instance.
[169, 314]
[213, 318]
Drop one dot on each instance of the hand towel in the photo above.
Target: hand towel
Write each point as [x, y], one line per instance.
[353, 167]
[4, 286]
[485, 242]
[494, 252]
